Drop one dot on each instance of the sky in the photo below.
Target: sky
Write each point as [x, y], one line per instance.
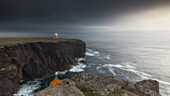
[42, 18]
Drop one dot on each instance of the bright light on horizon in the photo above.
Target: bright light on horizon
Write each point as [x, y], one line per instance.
[56, 34]
[155, 19]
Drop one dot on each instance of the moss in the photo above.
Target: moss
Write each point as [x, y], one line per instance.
[87, 91]
[117, 92]
[91, 94]
[84, 89]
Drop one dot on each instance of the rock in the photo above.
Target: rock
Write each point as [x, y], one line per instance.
[7, 87]
[60, 88]
[148, 87]
[128, 93]
[32, 60]
[112, 86]
[98, 84]
[129, 86]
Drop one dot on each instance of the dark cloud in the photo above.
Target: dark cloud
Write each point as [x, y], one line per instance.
[67, 10]
[34, 15]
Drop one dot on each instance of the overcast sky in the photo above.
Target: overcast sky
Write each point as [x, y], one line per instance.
[19, 17]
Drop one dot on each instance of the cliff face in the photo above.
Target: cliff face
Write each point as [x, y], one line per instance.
[35, 60]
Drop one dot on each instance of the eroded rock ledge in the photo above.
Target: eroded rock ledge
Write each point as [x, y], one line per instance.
[33, 60]
[93, 85]
[112, 86]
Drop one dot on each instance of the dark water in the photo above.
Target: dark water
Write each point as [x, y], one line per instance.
[132, 56]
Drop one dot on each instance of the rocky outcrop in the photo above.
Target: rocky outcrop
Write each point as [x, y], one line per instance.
[36, 60]
[112, 86]
[60, 88]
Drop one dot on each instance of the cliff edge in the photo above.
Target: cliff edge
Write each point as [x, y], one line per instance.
[28, 59]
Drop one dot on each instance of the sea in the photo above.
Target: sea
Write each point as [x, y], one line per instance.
[132, 56]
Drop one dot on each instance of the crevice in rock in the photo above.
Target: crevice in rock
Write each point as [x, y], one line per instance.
[25, 75]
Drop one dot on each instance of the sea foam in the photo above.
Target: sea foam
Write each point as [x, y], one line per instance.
[91, 52]
[28, 88]
[80, 67]
[127, 66]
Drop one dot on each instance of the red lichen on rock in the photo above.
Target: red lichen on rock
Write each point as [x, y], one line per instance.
[56, 82]
[70, 81]
[80, 74]
[42, 90]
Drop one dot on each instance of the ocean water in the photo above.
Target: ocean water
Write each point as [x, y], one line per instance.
[132, 56]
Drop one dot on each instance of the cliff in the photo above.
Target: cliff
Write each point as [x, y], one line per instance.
[27, 59]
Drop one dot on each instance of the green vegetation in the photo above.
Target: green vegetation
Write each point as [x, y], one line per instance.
[13, 41]
[91, 94]
[117, 92]
[87, 92]
[84, 89]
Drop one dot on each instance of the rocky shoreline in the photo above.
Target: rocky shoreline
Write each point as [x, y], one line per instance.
[31, 60]
[110, 85]
[85, 84]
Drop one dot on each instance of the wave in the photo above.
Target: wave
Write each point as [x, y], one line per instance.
[127, 66]
[80, 67]
[164, 91]
[95, 53]
[109, 66]
[91, 52]
[162, 82]
[28, 88]
[107, 57]
[61, 72]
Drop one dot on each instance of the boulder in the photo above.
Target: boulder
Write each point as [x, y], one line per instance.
[148, 87]
[63, 87]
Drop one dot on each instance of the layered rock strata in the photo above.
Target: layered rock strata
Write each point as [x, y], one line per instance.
[33, 60]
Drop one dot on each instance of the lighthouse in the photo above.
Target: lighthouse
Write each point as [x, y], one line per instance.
[56, 35]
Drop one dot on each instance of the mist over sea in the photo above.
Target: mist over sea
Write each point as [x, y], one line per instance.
[132, 56]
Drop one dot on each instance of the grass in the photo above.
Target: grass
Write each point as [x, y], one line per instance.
[87, 91]
[117, 92]
[13, 41]
[91, 94]
[84, 89]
